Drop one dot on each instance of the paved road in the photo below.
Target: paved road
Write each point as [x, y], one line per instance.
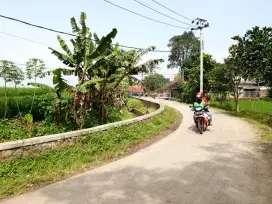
[221, 166]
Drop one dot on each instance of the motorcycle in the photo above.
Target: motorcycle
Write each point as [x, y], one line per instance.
[201, 119]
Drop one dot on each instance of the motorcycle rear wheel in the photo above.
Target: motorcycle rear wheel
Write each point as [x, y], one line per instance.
[200, 126]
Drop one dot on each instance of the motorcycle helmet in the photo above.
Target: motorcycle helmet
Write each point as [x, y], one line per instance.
[199, 97]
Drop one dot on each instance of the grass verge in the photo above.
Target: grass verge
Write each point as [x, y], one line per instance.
[23, 174]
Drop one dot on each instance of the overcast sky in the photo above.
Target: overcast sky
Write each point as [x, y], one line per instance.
[226, 17]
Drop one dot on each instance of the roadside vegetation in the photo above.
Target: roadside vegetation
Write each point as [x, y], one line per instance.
[103, 71]
[20, 175]
[249, 59]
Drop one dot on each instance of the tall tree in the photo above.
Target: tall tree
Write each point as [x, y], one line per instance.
[154, 82]
[191, 86]
[255, 49]
[7, 68]
[236, 71]
[35, 68]
[182, 47]
[17, 77]
[219, 81]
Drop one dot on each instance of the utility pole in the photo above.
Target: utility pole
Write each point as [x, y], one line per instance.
[200, 25]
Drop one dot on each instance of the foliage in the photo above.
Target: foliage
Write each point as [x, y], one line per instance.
[18, 174]
[236, 71]
[29, 123]
[16, 129]
[154, 82]
[35, 68]
[39, 106]
[60, 86]
[183, 47]
[191, 86]
[7, 68]
[21, 91]
[256, 54]
[133, 103]
[102, 71]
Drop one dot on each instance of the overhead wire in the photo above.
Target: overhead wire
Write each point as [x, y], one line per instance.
[33, 41]
[152, 19]
[172, 10]
[161, 12]
[61, 32]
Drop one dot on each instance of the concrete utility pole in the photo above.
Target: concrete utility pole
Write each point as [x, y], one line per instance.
[200, 24]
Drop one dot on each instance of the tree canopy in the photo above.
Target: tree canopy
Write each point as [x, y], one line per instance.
[254, 51]
[154, 82]
[183, 47]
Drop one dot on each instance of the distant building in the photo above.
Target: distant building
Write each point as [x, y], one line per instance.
[253, 89]
[135, 90]
[170, 90]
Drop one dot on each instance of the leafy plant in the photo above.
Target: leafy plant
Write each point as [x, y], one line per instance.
[29, 121]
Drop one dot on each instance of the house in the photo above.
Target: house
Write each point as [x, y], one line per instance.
[170, 90]
[135, 90]
[253, 89]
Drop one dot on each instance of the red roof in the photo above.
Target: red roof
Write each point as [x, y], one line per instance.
[135, 89]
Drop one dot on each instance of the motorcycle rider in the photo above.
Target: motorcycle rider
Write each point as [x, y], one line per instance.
[200, 101]
[207, 99]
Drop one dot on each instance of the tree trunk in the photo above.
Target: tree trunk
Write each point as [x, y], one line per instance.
[5, 113]
[236, 104]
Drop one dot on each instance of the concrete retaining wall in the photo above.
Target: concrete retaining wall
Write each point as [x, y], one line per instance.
[32, 146]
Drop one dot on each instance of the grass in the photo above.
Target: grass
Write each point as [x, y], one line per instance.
[16, 129]
[21, 92]
[258, 112]
[258, 106]
[139, 105]
[20, 175]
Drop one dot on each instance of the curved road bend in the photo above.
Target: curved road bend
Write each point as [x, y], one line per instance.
[221, 166]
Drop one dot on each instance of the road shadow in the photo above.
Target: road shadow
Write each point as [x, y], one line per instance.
[234, 173]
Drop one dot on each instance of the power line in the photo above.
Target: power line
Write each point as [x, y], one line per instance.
[172, 10]
[15, 36]
[30, 24]
[52, 30]
[161, 13]
[143, 15]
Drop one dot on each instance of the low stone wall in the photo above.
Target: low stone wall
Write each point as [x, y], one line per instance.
[32, 146]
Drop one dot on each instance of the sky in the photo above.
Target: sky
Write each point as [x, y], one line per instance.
[227, 18]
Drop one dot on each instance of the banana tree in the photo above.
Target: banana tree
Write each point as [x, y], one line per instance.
[112, 71]
[86, 54]
[60, 85]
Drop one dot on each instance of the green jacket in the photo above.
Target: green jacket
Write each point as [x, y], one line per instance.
[202, 104]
